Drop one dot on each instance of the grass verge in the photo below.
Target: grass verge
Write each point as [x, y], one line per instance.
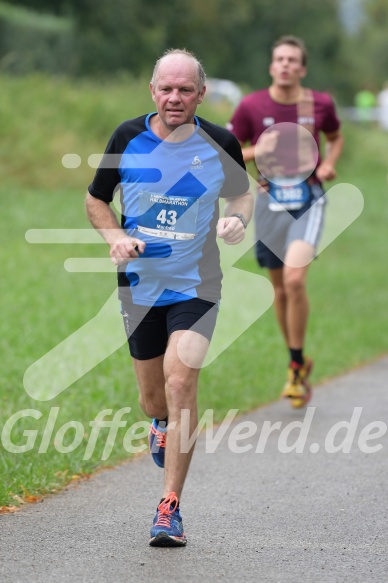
[43, 303]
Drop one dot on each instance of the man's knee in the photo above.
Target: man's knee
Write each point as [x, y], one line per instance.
[152, 408]
[180, 390]
[280, 293]
[294, 283]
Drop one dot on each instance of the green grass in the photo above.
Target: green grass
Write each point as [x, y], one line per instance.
[42, 303]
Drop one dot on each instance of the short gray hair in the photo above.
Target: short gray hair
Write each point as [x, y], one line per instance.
[184, 53]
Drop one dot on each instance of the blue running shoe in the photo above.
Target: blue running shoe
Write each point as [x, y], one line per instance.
[157, 443]
[167, 530]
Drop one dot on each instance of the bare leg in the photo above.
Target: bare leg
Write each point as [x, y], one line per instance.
[295, 270]
[150, 379]
[280, 303]
[167, 386]
[181, 394]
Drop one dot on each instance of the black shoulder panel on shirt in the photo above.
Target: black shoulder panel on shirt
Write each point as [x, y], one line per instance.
[127, 131]
[236, 180]
[107, 176]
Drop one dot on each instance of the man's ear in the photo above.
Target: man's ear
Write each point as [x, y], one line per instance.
[202, 94]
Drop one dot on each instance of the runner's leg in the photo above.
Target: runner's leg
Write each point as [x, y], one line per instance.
[150, 379]
[297, 260]
[280, 302]
[181, 394]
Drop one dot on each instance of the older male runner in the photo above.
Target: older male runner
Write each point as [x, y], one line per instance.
[170, 168]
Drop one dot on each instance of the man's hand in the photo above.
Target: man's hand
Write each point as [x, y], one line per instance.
[126, 248]
[231, 230]
[122, 247]
[325, 171]
[266, 161]
[267, 142]
[334, 145]
[264, 146]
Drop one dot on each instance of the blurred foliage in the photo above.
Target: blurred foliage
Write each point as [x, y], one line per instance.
[30, 41]
[99, 38]
[370, 45]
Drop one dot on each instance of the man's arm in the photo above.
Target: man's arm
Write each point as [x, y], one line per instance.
[248, 152]
[103, 219]
[232, 228]
[334, 145]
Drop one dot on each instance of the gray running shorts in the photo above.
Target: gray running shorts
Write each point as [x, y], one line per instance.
[276, 230]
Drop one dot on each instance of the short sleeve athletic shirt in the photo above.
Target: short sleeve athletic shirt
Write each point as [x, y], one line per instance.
[258, 111]
[169, 195]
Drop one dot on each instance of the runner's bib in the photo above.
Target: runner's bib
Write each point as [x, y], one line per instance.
[288, 194]
[172, 217]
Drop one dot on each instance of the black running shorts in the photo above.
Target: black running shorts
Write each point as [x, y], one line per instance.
[148, 329]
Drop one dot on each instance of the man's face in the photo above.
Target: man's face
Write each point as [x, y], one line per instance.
[286, 68]
[176, 92]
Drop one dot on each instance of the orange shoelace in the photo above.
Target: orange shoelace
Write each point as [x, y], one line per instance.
[165, 510]
[160, 437]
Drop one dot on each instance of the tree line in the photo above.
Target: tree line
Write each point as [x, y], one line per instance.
[233, 40]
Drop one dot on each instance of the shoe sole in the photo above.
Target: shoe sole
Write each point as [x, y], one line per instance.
[157, 461]
[299, 402]
[162, 539]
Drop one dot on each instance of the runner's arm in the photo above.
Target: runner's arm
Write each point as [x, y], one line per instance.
[334, 144]
[103, 219]
[231, 228]
[248, 152]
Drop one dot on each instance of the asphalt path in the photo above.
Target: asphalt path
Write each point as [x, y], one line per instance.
[305, 502]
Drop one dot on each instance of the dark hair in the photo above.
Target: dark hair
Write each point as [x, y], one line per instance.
[185, 53]
[294, 41]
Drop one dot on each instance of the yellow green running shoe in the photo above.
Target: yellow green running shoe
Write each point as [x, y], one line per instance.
[297, 388]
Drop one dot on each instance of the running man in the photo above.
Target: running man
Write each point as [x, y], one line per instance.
[170, 168]
[280, 128]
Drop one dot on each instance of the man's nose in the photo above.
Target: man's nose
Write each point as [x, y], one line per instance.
[175, 95]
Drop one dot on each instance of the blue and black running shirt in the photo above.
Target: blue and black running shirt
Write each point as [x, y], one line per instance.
[169, 199]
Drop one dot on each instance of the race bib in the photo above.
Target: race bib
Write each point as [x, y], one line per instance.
[288, 194]
[172, 217]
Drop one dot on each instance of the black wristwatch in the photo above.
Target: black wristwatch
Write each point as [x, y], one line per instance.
[242, 219]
